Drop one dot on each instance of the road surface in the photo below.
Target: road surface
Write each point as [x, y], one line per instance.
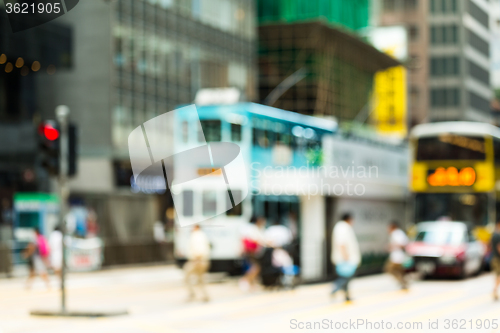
[157, 303]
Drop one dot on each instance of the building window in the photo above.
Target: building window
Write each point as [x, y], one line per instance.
[414, 97]
[454, 6]
[413, 33]
[444, 34]
[444, 97]
[434, 36]
[477, 13]
[389, 5]
[451, 97]
[479, 102]
[444, 66]
[410, 5]
[479, 43]
[479, 73]
[454, 34]
[443, 6]
[414, 62]
[433, 6]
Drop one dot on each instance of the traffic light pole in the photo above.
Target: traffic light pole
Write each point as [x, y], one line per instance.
[62, 113]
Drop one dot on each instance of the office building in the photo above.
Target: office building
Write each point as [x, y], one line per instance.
[134, 60]
[449, 57]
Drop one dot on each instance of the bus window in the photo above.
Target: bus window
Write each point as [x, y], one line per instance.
[313, 144]
[236, 210]
[465, 207]
[235, 132]
[209, 203]
[260, 138]
[496, 148]
[187, 203]
[271, 137]
[211, 130]
[284, 138]
[451, 147]
[185, 131]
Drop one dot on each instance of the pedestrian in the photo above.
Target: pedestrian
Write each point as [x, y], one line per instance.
[198, 262]
[278, 235]
[37, 254]
[495, 259]
[346, 255]
[394, 264]
[253, 242]
[56, 250]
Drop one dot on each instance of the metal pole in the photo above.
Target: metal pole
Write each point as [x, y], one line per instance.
[62, 113]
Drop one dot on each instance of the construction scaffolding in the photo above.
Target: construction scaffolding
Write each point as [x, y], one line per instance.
[351, 14]
[340, 68]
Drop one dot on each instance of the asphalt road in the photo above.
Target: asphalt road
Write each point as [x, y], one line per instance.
[157, 302]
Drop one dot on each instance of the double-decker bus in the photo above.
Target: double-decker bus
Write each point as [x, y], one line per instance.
[454, 173]
[303, 172]
[267, 137]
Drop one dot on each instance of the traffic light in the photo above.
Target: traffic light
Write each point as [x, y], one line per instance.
[72, 149]
[50, 147]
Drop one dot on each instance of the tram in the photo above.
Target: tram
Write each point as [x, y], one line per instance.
[267, 137]
[303, 172]
[455, 172]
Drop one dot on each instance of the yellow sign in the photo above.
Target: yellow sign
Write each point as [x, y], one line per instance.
[209, 172]
[418, 177]
[485, 177]
[389, 114]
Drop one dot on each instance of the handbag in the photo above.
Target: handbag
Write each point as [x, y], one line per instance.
[346, 269]
[408, 262]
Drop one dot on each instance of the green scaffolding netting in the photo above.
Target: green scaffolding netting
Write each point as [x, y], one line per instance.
[352, 14]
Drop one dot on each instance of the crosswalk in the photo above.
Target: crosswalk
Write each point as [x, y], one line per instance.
[156, 306]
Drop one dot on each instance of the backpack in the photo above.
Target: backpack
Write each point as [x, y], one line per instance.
[42, 246]
[250, 246]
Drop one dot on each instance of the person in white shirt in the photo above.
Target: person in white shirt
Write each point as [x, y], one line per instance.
[345, 251]
[278, 235]
[56, 251]
[198, 262]
[397, 243]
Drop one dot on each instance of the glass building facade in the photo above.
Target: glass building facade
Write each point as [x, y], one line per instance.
[164, 51]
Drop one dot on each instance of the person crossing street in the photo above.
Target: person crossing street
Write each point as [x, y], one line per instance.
[346, 255]
[198, 262]
[394, 264]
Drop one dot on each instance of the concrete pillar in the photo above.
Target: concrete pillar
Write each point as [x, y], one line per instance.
[312, 247]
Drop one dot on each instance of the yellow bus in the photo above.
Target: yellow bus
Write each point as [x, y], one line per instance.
[455, 174]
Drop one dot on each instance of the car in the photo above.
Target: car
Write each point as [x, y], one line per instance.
[446, 249]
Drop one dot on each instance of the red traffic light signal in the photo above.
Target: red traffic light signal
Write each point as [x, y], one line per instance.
[48, 131]
[49, 137]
